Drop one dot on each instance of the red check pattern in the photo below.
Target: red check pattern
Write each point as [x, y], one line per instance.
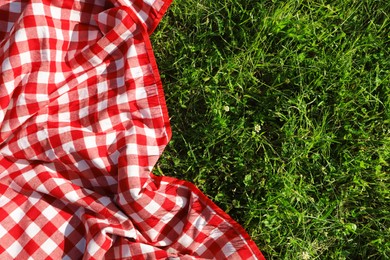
[83, 120]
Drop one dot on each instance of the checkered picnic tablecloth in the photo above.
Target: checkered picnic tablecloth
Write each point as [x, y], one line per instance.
[82, 122]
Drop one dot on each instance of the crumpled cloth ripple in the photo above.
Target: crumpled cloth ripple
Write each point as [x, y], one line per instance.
[83, 120]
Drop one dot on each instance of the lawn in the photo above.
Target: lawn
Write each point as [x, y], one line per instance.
[280, 112]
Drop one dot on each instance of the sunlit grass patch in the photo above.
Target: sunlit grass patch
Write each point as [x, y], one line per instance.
[280, 113]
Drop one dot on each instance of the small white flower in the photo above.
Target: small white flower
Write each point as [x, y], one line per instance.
[226, 108]
[305, 255]
[257, 128]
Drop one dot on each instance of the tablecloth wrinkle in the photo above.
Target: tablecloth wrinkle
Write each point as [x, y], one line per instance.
[83, 121]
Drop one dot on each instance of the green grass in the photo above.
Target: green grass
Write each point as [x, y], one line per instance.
[281, 114]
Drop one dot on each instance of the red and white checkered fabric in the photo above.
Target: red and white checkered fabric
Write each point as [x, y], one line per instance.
[82, 122]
